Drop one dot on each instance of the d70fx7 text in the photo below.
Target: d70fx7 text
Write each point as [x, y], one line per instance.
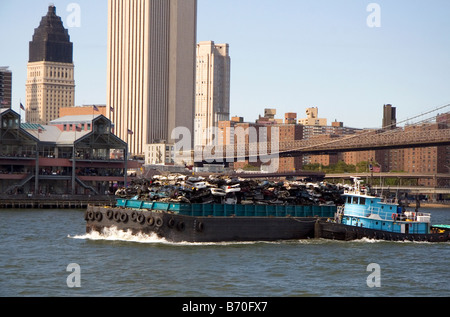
[246, 306]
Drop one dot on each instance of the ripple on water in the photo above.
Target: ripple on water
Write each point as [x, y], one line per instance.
[38, 245]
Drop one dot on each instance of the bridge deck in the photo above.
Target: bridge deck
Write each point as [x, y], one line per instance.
[374, 140]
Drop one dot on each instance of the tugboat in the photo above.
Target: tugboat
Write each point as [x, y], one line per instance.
[367, 216]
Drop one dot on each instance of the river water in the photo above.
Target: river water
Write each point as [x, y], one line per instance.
[37, 247]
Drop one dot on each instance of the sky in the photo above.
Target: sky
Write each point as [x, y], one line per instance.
[346, 57]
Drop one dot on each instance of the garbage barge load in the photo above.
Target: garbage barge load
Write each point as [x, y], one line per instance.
[218, 209]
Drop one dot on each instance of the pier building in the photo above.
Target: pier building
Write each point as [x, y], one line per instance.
[71, 155]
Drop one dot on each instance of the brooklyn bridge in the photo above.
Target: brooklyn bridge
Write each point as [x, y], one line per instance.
[380, 139]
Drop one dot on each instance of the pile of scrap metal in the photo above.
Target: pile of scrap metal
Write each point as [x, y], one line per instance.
[231, 190]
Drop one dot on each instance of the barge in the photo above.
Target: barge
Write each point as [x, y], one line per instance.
[180, 222]
[368, 216]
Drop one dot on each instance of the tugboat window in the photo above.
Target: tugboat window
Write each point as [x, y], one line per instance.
[355, 200]
[362, 200]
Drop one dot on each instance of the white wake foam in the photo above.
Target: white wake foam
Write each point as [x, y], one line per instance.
[370, 240]
[114, 234]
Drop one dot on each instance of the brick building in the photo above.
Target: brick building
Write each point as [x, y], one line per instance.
[266, 129]
[428, 160]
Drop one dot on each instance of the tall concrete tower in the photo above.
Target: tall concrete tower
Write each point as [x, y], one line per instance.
[151, 69]
[389, 117]
[50, 76]
[212, 99]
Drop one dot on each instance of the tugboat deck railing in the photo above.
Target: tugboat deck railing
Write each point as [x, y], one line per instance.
[378, 213]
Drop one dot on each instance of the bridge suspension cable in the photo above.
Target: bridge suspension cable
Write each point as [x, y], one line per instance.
[424, 114]
[385, 131]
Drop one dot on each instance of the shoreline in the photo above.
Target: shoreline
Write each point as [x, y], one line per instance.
[432, 205]
[54, 201]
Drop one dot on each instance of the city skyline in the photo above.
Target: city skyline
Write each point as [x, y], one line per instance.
[289, 55]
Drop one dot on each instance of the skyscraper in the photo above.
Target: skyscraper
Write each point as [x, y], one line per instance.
[389, 117]
[212, 95]
[151, 69]
[50, 77]
[5, 87]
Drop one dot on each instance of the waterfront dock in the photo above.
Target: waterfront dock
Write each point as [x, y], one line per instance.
[54, 201]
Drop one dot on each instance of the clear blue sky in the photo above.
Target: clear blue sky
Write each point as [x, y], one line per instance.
[286, 54]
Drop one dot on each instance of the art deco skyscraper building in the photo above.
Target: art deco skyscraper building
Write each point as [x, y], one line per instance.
[212, 100]
[151, 69]
[50, 77]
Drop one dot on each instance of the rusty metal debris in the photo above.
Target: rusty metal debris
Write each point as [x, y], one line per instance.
[231, 190]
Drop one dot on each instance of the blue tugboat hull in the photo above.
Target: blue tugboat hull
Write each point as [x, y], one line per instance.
[338, 231]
